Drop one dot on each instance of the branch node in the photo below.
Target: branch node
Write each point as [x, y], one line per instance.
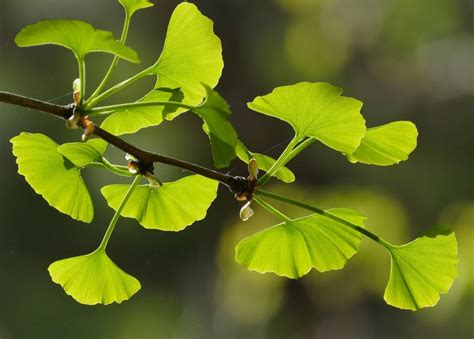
[242, 187]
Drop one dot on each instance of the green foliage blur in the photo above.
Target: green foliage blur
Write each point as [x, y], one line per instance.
[405, 59]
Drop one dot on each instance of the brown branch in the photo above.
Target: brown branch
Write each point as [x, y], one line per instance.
[238, 185]
[63, 112]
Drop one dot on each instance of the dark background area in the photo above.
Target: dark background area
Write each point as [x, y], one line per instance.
[405, 59]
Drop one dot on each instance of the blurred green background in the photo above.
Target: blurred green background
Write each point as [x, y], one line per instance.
[405, 59]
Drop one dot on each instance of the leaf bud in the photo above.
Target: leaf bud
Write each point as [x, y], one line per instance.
[253, 169]
[76, 96]
[71, 123]
[130, 157]
[88, 129]
[152, 180]
[76, 84]
[246, 212]
[133, 167]
[240, 197]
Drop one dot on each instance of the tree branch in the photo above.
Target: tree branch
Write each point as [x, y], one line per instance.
[63, 112]
[238, 185]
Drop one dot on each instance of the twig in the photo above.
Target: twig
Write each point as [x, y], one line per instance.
[238, 185]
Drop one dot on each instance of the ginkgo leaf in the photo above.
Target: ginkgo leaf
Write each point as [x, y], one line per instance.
[215, 111]
[191, 56]
[84, 153]
[78, 36]
[52, 175]
[131, 6]
[170, 207]
[93, 279]
[316, 110]
[132, 120]
[386, 144]
[291, 249]
[264, 162]
[422, 269]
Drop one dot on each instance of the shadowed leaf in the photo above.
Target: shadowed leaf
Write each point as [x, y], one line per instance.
[386, 144]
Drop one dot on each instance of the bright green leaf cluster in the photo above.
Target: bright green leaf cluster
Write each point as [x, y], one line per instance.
[187, 71]
[192, 56]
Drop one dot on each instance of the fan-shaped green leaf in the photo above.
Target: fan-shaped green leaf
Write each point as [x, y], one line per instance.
[83, 153]
[132, 120]
[170, 207]
[53, 176]
[422, 269]
[93, 279]
[291, 249]
[78, 36]
[192, 54]
[316, 110]
[264, 162]
[214, 111]
[386, 144]
[131, 6]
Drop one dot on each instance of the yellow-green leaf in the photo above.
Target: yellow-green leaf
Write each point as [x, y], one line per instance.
[291, 249]
[52, 175]
[316, 110]
[131, 6]
[93, 279]
[78, 36]
[422, 269]
[191, 56]
[83, 153]
[170, 207]
[386, 144]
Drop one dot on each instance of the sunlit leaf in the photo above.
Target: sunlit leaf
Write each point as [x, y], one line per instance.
[93, 279]
[132, 120]
[83, 153]
[386, 144]
[316, 110]
[264, 162]
[192, 55]
[131, 6]
[422, 269]
[78, 36]
[215, 111]
[170, 207]
[291, 249]
[53, 176]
